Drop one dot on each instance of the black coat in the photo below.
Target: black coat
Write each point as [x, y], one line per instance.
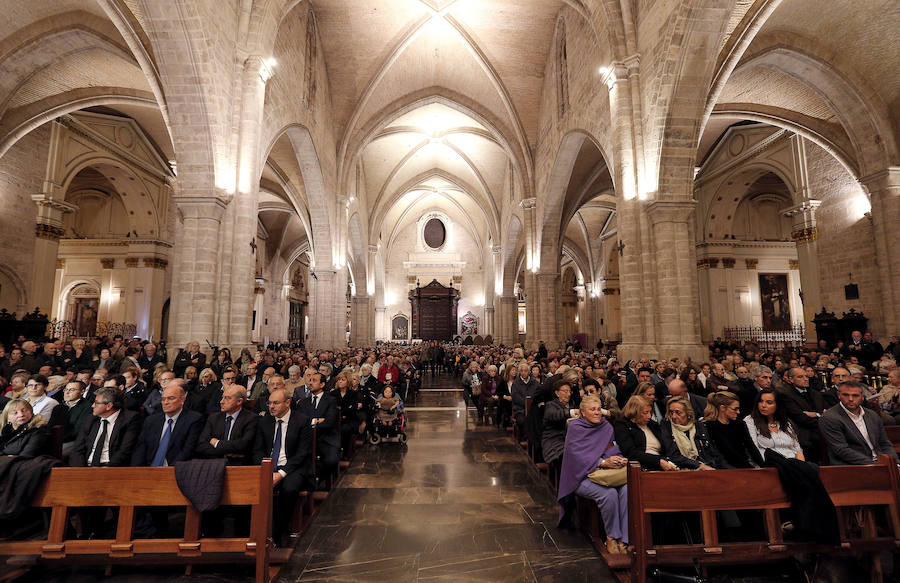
[121, 442]
[241, 442]
[297, 443]
[807, 427]
[181, 444]
[706, 451]
[326, 432]
[25, 442]
[633, 443]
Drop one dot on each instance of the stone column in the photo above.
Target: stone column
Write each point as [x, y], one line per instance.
[805, 234]
[543, 300]
[381, 324]
[237, 285]
[195, 269]
[362, 330]
[508, 328]
[884, 190]
[677, 301]
[48, 230]
[328, 309]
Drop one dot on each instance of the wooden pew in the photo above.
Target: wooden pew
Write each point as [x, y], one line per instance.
[126, 488]
[758, 489]
[893, 433]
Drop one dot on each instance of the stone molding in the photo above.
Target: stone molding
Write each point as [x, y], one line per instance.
[201, 207]
[670, 211]
[155, 262]
[805, 235]
[48, 232]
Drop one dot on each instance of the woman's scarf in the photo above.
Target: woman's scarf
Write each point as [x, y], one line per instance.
[586, 446]
[684, 439]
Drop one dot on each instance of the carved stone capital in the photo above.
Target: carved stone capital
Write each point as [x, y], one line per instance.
[107, 262]
[201, 207]
[528, 203]
[805, 235]
[131, 261]
[728, 262]
[670, 211]
[751, 263]
[48, 232]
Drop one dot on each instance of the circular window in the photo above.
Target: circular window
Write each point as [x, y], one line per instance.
[435, 233]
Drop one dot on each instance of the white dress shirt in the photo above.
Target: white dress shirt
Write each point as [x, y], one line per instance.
[860, 422]
[104, 453]
[282, 456]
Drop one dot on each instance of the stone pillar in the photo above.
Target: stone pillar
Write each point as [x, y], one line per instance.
[327, 309]
[381, 324]
[362, 323]
[530, 227]
[508, 328]
[237, 285]
[884, 190]
[48, 230]
[677, 302]
[543, 305]
[805, 234]
[488, 322]
[195, 270]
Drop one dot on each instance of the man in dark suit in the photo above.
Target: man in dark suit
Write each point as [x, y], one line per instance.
[148, 361]
[109, 438]
[170, 435]
[285, 435]
[853, 434]
[321, 409]
[79, 409]
[230, 433]
[134, 390]
[190, 356]
[677, 388]
[804, 407]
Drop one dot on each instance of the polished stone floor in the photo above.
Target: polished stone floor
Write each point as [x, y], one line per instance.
[456, 503]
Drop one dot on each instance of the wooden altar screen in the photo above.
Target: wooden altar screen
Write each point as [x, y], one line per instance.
[434, 311]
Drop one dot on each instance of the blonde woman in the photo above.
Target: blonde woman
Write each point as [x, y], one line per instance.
[22, 433]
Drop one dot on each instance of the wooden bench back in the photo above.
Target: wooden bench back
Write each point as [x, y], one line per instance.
[747, 489]
[893, 433]
[127, 488]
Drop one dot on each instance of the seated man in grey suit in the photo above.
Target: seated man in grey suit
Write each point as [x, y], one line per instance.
[854, 434]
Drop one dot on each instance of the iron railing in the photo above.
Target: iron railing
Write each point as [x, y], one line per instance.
[767, 340]
[65, 329]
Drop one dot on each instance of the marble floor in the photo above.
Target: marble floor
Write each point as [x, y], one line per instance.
[456, 503]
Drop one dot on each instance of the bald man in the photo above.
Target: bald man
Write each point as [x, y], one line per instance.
[170, 435]
[230, 433]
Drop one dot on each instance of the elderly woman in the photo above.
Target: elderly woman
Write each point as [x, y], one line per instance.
[557, 414]
[590, 445]
[387, 406]
[202, 398]
[639, 436]
[493, 387]
[22, 433]
[686, 441]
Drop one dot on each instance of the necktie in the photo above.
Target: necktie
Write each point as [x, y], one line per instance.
[228, 420]
[276, 449]
[160, 457]
[315, 401]
[98, 449]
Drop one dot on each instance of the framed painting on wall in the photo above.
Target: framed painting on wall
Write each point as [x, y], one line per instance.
[399, 327]
[774, 295]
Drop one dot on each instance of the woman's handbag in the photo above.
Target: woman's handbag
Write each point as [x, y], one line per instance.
[612, 478]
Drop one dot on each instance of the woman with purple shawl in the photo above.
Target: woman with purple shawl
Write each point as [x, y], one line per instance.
[589, 445]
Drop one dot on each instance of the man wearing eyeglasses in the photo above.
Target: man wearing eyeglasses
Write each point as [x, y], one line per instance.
[79, 410]
[285, 435]
[230, 433]
[171, 434]
[108, 439]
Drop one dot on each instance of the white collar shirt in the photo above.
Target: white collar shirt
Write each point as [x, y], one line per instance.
[104, 452]
[860, 422]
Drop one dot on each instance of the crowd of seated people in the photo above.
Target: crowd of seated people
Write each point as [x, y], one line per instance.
[120, 404]
[139, 412]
